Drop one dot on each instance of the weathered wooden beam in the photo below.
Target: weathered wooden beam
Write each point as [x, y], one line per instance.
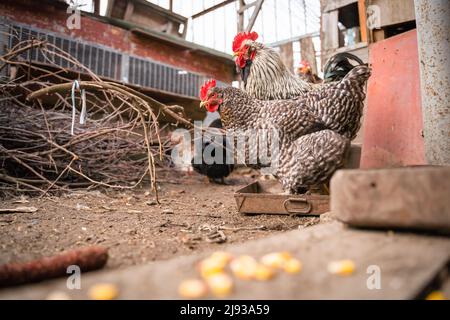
[378, 35]
[330, 31]
[96, 4]
[308, 53]
[210, 9]
[287, 55]
[254, 15]
[109, 7]
[128, 11]
[405, 198]
[362, 19]
[240, 13]
[247, 6]
[293, 39]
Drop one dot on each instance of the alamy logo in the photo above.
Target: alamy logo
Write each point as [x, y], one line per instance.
[74, 280]
[373, 13]
[74, 19]
[250, 147]
[374, 280]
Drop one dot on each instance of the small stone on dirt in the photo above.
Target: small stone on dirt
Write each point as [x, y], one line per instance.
[131, 211]
[82, 207]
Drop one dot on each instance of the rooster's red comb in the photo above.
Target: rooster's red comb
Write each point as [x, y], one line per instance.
[304, 63]
[241, 37]
[206, 86]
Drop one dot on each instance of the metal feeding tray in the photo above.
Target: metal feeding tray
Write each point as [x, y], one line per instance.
[268, 198]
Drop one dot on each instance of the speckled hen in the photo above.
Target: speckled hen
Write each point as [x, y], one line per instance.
[309, 152]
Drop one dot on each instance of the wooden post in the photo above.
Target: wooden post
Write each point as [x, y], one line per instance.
[362, 19]
[241, 16]
[252, 21]
[308, 53]
[212, 8]
[434, 54]
[128, 11]
[96, 4]
[287, 55]
[304, 16]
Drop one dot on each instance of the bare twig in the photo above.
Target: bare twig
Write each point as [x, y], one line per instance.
[119, 147]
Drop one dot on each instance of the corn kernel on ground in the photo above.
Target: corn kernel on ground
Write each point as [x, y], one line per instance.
[193, 289]
[103, 291]
[216, 279]
[292, 266]
[263, 273]
[276, 260]
[272, 260]
[222, 256]
[436, 295]
[210, 266]
[244, 267]
[220, 284]
[341, 267]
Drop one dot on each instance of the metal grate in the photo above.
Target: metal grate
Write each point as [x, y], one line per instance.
[4, 31]
[148, 73]
[103, 61]
[110, 63]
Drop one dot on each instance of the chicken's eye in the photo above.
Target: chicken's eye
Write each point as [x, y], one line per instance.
[249, 52]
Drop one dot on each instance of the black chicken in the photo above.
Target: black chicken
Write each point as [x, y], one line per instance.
[339, 65]
[216, 172]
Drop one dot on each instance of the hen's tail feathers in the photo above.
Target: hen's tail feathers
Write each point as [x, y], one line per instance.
[339, 65]
[359, 73]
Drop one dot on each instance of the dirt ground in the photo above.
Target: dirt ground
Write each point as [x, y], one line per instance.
[193, 216]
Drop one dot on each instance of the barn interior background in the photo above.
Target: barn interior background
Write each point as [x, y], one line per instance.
[92, 93]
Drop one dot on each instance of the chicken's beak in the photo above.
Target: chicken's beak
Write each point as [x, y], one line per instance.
[235, 54]
[202, 104]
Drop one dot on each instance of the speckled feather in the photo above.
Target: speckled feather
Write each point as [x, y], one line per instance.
[340, 104]
[310, 160]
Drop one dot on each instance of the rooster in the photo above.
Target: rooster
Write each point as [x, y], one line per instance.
[265, 77]
[308, 152]
[305, 73]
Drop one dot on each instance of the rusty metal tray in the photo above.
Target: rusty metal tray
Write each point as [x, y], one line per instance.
[268, 198]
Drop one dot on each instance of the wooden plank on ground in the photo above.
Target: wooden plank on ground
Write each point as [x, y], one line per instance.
[406, 262]
[410, 197]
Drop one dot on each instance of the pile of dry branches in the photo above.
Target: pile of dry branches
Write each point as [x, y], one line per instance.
[119, 146]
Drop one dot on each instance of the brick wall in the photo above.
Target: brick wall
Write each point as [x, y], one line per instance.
[52, 17]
